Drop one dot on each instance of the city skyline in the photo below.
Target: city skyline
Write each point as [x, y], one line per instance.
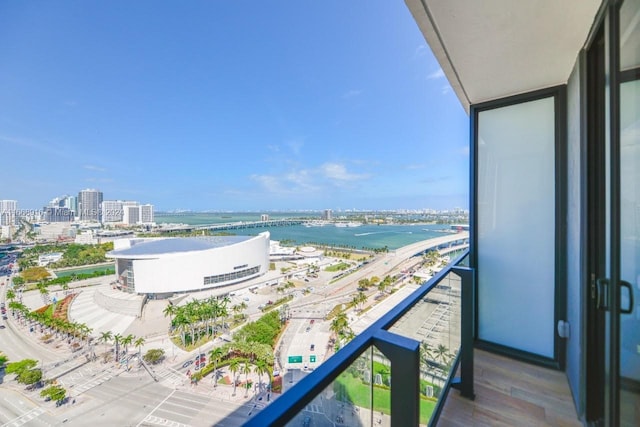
[230, 110]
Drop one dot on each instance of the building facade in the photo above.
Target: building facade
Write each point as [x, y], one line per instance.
[8, 212]
[170, 265]
[146, 214]
[89, 204]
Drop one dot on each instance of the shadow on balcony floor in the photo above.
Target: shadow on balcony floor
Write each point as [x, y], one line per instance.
[512, 393]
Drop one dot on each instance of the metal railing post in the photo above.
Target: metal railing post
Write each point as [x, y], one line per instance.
[404, 355]
[465, 382]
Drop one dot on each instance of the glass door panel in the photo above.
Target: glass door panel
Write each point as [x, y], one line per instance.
[629, 350]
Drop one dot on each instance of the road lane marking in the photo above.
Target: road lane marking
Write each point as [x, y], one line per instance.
[154, 409]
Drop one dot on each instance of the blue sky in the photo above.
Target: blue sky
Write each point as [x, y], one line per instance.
[227, 105]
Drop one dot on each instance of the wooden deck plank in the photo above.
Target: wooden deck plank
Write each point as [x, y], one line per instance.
[509, 393]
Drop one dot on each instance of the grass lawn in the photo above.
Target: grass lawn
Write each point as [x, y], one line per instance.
[359, 394]
[337, 267]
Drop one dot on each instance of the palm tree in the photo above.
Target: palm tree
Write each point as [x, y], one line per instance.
[117, 339]
[442, 352]
[85, 332]
[246, 370]
[105, 337]
[139, 343]
[359, 299]
[261, 368]
[234, 367]
[11, 295]
[339, 323]
[126, 341]
[215, 355]
[170, 310]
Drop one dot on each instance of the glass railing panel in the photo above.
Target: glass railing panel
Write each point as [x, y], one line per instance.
[349, 400]
[381, 379]
[464, 262]
[434, 321]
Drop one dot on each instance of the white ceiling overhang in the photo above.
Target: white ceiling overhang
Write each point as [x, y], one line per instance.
[489, 49]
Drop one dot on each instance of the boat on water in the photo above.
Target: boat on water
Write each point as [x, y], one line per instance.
[347, 224]
[315, 224]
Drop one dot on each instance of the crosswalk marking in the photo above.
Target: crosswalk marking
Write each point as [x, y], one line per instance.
[152, 419]
[313, 408]
[25, 418]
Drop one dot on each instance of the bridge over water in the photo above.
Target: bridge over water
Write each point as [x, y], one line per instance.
[238, 225]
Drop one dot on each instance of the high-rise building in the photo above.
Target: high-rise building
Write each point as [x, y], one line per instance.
[71, 202]
[112, 211]
[57, 214]
[326, 215]
[89, 202]
[8, 212]
[131, 214]
[146, 214]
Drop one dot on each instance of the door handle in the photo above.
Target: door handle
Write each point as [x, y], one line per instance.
[602, 300]
[625, 284]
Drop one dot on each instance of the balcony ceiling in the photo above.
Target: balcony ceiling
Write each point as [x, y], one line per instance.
[494, 48]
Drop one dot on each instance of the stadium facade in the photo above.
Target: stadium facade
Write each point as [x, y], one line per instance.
[158, 266]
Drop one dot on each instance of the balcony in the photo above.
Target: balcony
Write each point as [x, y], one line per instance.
[396, 372]
[400, 370]
[509, 392]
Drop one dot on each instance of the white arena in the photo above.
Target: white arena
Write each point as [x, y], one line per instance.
[161, 266]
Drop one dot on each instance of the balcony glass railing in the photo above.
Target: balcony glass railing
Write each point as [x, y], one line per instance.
[397, 371]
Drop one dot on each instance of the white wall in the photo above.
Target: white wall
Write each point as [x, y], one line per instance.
[186, 271]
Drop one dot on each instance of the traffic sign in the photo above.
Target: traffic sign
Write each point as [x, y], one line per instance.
[295, 359]
[312, 358]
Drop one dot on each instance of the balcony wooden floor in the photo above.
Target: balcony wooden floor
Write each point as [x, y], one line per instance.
[511, 393]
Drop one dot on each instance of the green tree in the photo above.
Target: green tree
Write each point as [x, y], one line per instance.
[215, 355]
[442, 353]
[169, 311]
[21, 366]
[117, 340]
[127, 341]
[261, 368]
[234, 367]
[105, 337]
[29, 376]
[139, 343]
[246, 370]
[55, 392]
[154, 355]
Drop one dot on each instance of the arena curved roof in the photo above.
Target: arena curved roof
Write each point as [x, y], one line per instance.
[172, 245]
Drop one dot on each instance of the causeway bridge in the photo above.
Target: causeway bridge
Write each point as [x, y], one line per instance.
[237, 225]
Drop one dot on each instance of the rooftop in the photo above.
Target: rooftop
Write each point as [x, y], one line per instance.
[163, 246]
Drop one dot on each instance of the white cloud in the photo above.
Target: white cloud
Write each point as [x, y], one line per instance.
[308, 181]
[338, 172]
[268, 182]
